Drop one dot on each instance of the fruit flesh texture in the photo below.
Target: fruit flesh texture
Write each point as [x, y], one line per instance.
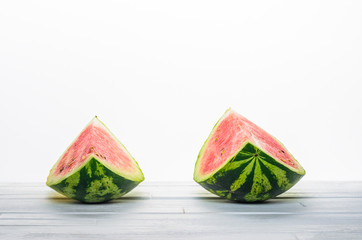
[231, 133]
[94, 140]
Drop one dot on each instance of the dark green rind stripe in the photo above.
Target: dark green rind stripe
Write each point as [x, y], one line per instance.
[94, 183]
[251, 176]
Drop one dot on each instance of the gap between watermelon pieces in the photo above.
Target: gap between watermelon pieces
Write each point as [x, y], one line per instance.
[242, 162]
[96, 167]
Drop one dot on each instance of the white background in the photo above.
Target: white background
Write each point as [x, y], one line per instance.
[159, 74]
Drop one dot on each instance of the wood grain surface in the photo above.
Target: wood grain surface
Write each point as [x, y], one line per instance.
[310, 210]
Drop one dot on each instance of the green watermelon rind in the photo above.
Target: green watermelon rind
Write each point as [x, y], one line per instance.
[93, 182]
[251, 175]
[220, 181]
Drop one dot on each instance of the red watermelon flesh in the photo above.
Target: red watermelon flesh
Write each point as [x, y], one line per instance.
[230, 134]
[95, 140]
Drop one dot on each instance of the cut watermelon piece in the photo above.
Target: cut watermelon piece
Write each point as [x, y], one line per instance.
[240, 161]
[96, 167]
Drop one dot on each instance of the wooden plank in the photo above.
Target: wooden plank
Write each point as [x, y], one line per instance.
[311, 210]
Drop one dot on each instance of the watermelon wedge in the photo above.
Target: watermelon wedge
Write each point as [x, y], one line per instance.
[240, 161]
[95, 168]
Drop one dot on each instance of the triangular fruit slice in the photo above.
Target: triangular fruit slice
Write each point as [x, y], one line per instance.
[96, 167]
[240, 161]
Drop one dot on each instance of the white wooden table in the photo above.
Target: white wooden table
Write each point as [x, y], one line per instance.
[310, 210]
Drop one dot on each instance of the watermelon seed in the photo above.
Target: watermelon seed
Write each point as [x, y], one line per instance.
[222, 151]
[90, 149]
[283, 151]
